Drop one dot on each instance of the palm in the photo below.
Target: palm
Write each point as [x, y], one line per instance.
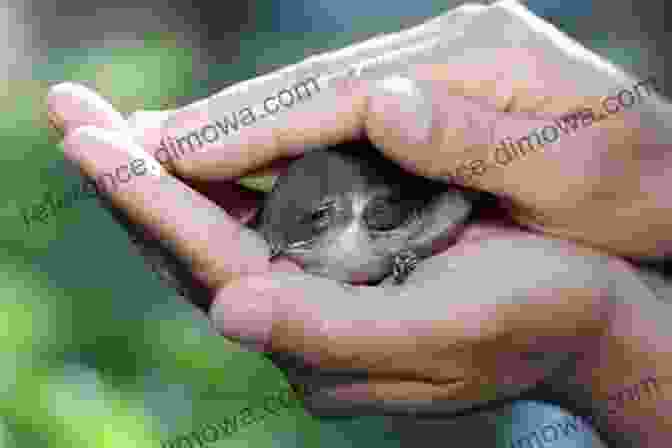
[498, 280]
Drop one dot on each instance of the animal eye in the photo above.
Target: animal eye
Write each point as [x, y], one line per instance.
[320, 218]
[384, 214]
[319, 214]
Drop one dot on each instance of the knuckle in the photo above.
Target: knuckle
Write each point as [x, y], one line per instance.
[470, 8]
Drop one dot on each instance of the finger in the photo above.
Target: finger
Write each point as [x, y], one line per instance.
[207, 123]
[507, 377]
[338, 115]
[332, 392]
[146, 125]
[397, 397]
[394, 113]
[448, 124]
[416, 123]
[73, 105]
[201, 234]
[201, 137]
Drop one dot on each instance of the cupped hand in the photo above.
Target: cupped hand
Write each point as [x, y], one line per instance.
[489, 317]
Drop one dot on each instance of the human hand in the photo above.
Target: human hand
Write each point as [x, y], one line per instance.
[405, 349]
[496, 72]
[232, 261]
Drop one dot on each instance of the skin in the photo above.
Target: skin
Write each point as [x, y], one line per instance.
[468, 325]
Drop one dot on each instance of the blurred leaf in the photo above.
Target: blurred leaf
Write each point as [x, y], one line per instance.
[76, 409]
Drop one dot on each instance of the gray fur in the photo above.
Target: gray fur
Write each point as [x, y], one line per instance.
[347, 213]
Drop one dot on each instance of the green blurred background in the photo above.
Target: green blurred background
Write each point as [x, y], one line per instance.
[94, 351]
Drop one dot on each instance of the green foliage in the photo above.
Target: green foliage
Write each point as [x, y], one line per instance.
[99, 353]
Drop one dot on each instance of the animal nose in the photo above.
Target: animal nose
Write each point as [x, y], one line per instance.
[276, 251]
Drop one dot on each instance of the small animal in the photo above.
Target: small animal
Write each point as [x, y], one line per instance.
[347, 213]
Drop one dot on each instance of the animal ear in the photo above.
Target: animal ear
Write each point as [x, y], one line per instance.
[441, 219]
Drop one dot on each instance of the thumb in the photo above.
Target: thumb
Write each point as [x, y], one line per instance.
[471, 141]
[329, 322]
[357, 356]
[373, 348]
[445, 333]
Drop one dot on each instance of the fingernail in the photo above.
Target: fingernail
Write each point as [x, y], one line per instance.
[258, 183]
[73, 105]
[404, 106]
[56, 123]
[349, 392]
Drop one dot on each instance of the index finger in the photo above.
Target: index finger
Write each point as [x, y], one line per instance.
[326, 99]
[254, 122]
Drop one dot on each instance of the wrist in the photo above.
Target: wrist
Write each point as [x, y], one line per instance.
[622, 378]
